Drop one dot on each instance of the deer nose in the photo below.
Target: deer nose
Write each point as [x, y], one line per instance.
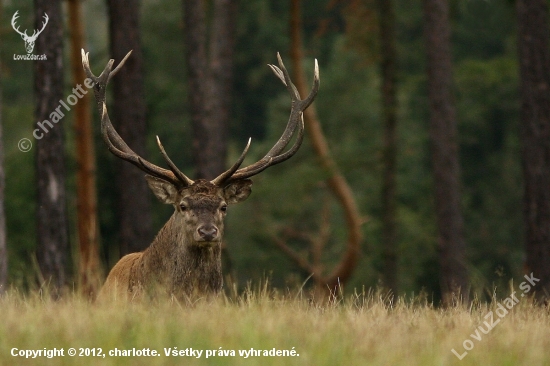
[208, 233]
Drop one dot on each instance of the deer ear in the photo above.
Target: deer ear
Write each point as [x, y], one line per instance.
[237, 191]
[165, 191]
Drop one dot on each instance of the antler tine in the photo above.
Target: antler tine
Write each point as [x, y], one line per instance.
[314, 88]
[44, 23]
[288, 83]
[100, 84]
[112, 139]
[295, 119]
[86, 64]
[182, 177]
[117, 69]
[14, 25]
[265, 163]
[37, 32]
[228, 173]
[277, 73]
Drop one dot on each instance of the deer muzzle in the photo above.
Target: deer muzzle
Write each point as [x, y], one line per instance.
[208, 233]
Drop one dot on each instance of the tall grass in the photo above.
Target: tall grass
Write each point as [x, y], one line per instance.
[363, 329]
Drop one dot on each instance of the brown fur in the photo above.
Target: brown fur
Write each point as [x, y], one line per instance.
[179, 262]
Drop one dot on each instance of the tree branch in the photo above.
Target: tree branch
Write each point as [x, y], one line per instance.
[336, 181]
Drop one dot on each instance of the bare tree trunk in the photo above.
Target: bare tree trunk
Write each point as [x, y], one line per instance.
[52, 224]
[534, 57]
[219, 91]
[134, 205]
[209, 55]
[336, 181]
[3, 235]
[389, 113]
[86, 201]
[196, 60]
[444, 151]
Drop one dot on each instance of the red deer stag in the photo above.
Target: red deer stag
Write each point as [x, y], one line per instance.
[185, 257]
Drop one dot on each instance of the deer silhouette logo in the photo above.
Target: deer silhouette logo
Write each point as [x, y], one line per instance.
[29, 40]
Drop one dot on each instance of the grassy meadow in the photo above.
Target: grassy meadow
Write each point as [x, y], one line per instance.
[363, 329]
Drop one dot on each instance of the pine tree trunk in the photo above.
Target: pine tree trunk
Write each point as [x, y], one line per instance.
[209, 58]
[389, 113]
[51, 215]
[534, 57]
[3, 234]
[220, 89]
[444, 154]
[86, 200]
[196, 61]
[134, 205]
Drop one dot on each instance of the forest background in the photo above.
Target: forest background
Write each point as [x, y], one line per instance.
[292, 202]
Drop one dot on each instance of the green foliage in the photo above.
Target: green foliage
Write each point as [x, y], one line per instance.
[294, 194]
[491, 161]
[17, 111]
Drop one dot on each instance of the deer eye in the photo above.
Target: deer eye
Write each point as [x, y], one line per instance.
[223, 208]
[183, 207]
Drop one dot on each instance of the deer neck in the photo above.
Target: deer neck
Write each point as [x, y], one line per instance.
[182, 266]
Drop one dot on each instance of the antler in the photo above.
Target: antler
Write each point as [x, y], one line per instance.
[35, 34]
[13, 25]
[114, 142]
[274, 156]
[119, 148]
[24, 34]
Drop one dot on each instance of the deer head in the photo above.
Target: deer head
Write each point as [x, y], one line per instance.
[184, 257]
[29, 40]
